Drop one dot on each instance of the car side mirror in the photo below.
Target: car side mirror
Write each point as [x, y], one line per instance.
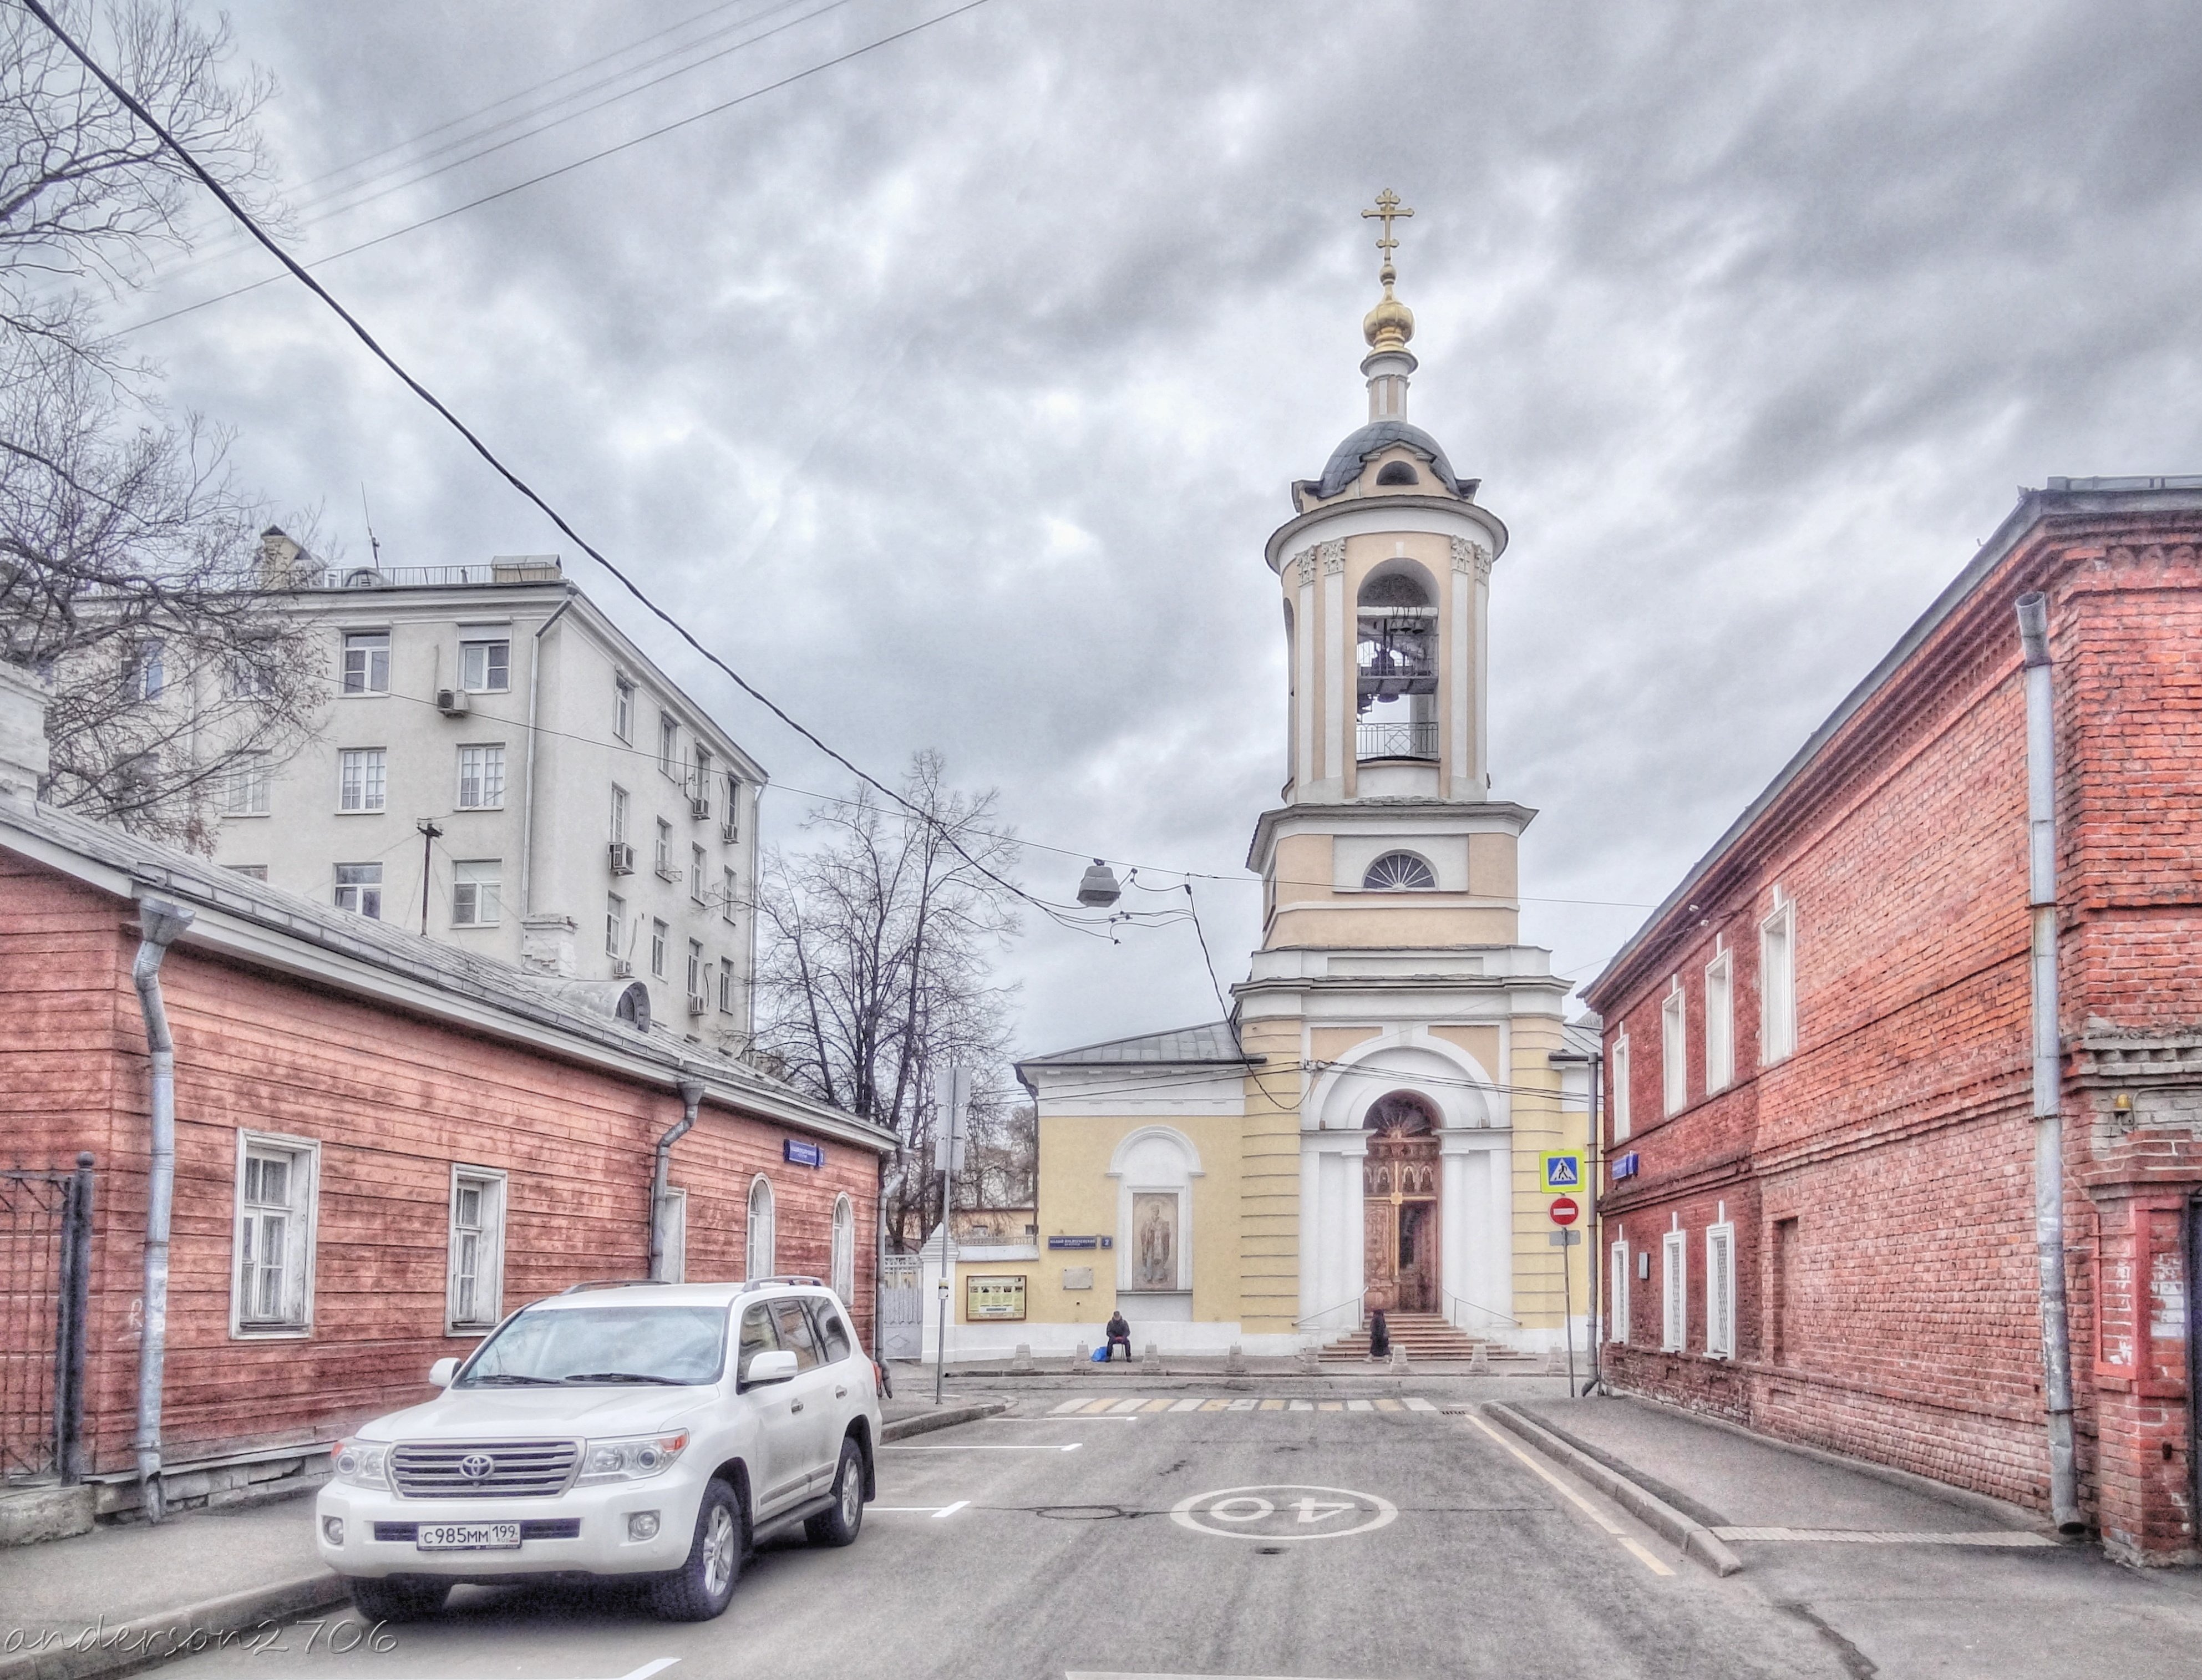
[443, 1371]
[777, 1366]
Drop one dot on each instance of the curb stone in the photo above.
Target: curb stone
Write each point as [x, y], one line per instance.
[1695, 1539]
[130, 1646]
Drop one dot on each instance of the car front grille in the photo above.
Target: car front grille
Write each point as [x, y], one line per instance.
[472, 1469]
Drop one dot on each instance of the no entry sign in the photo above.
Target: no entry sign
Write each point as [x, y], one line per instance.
[1564, 1211]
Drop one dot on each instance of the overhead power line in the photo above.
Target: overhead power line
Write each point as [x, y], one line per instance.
[299, 270]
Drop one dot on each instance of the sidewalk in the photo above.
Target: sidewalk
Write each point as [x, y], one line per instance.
[129, 1593]
[1904, 1578]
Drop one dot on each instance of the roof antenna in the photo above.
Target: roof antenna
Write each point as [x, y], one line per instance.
[373, 542]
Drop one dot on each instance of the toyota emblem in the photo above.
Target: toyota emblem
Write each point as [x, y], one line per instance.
[476, 1465]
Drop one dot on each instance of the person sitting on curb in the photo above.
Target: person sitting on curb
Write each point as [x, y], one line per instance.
[1119, 1334]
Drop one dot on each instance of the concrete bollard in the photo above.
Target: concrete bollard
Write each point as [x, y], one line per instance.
[1084, 1361]
[1234, 1362]
[1310, 1359]
[1478, 1364]
[1556, 1361]
[1150, 1361]
[1022, 1365]
[1399, 1361]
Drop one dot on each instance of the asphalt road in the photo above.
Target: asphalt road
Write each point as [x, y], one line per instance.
[1365, 1545]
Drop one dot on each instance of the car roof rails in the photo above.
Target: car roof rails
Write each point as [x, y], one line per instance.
[761, 1282]
[608, 1283]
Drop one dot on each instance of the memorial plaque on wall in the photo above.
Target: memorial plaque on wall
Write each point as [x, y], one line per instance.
[1077, 1278]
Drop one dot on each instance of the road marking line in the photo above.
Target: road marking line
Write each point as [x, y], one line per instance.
[1070, 1406]
[1187, 1405]
[1359, 1406]
[1330, 1406]
[1299, 1405]
[1221, 1406]
[1417, 1403]
[1589, 1510]
[985, 1447]
[1125, 1405]
[1388, 1405]
[1273, 1406]
[1099, 1406]
[948, 1511]
[1157, 1405]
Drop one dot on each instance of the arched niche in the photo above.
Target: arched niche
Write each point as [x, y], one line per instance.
[1154, 1168]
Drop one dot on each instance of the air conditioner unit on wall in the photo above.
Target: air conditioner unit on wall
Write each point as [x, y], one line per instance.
[699, 808]
[730, 831]
[453, 702]
[622, 858]
[699, 1005]
[621, 969]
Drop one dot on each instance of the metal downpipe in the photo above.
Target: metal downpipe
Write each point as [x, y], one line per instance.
[691, 1100]
[2048, 1061]
[159, 923]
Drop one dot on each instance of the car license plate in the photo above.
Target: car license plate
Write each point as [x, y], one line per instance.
[468, 1537]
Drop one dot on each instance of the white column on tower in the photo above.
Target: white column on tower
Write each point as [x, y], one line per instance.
[1307, 640]
[1338, 660]
[1466, 662]
[1481, 769]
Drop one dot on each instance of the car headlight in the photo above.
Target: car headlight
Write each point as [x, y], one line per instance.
[630, 1459]
[362, 1464]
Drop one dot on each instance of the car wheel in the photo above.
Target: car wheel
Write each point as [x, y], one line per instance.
[700, 1588]
[396, 1600]
[839, 1526]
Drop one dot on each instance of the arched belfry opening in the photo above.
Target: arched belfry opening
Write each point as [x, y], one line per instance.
[1396, 652]
[1399, 1188]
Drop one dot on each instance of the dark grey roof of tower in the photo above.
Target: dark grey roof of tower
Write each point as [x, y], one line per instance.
[1347, 460]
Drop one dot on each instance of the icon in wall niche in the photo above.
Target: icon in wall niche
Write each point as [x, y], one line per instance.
[1154, 1242]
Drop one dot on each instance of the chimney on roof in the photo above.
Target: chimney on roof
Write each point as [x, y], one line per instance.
[281, 559]
[24, 759]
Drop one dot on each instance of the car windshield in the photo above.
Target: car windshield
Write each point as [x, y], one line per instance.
[585, 1345]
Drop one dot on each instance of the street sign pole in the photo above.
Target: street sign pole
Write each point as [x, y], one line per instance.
[951, 1096]
[1563, 1212]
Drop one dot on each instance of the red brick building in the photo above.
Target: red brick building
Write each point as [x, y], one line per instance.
[1819, 1212]
[381, 1145]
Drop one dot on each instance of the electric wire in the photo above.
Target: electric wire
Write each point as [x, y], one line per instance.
[299, 269]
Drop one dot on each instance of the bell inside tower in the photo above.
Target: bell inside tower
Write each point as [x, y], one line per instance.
[1396, 650]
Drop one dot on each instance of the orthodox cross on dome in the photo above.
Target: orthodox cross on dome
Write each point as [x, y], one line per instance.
[1387, 209]
[1391, 323]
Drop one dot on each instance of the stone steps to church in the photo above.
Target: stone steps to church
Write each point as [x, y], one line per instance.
[1422, 1336]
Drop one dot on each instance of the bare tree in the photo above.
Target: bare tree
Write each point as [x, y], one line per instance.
[130, 570]
[875, 968]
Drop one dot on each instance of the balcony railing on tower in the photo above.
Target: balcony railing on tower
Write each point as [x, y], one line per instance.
[1397, 740]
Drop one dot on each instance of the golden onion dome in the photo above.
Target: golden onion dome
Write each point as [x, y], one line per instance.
[1391, 323]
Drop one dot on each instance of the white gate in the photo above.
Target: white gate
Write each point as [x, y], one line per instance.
[902, 1307]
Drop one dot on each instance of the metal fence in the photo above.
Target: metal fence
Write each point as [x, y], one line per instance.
[45, 1287]
[902, 1306]
[1397, 741]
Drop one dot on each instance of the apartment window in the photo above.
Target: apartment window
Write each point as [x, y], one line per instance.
[1720, 1022]
[622, 709]
[272, 1287]
[1617, 1294]
[727, 985]
[619, 814]
[615, 925]
[481, 778]
[699, 788]
[696, 981]
[658, 931]
[363, 779]
[476, 885]
[1777, 981]
[247, 677]
[1673, 1299]
[145, 672]
[663, 861]
[485, 667]
[1621, 1088]
[698, 864]
[669, 745]
[359, 889]
[1720, 1291]
[731, 820]
[842, 1271]
[727, 895]
[366, 663]
[244, 786]
[761, 1236]
[475, 1298]
[1675, 1049]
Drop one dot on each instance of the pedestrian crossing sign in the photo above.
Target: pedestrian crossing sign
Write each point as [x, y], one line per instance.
[1560, 1171]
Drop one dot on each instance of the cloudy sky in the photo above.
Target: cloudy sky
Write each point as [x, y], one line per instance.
[950, 392]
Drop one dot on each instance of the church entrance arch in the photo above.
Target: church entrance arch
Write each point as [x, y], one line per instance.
[1400, 1180]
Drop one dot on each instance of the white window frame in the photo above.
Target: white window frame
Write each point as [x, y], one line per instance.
[1616, 1302]
[731, 882]
[696, 966]
[1720, 1291]
[619, 813]
[842, 1266]
[148, 672]
[661, 864]
[659, 937]
[1720, 1022]
[300, 1205]
[489, 1254]
[1777, 981]
[490, 667]
[699, 862]
[733, 819]
[371, 785]
[700, 788]
[1674, 1292]
[725, 986]
[615, 924]
[668, 745]
[468, 901]
[1619, 1063]
[488, 777]
[373, 667]
[760, 1235]
[622, 709]
[1674, 1049]
[359, 888]
[246, 783]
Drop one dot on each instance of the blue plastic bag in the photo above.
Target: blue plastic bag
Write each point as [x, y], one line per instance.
[1101, 1354]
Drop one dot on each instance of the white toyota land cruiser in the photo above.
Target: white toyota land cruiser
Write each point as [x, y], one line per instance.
[646, 1430]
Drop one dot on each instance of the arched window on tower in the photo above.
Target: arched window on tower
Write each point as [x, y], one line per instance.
[1397, 653]
[1397, 472]
[1400, 872]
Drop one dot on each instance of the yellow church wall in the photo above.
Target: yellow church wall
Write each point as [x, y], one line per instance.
[1394, 927]
[1304, 867]
[1542, 1121]
[1269, 1188]
[1492, 861]
[1481, 1042]
[1077, 1198]
[1328, 1044]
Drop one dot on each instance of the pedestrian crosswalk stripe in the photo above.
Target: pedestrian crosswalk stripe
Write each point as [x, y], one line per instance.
[1330, 1406]
[1186, 1406]
[1359, 1406]
[1148, 1404]
[1302, 1406]
[1222, 1406]
[1273, 1406]
[1242, 1406]
[1127, 1406]
[1388, 1405]
[1156, 1406]
[1417, 1403]
[1072, 1406]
